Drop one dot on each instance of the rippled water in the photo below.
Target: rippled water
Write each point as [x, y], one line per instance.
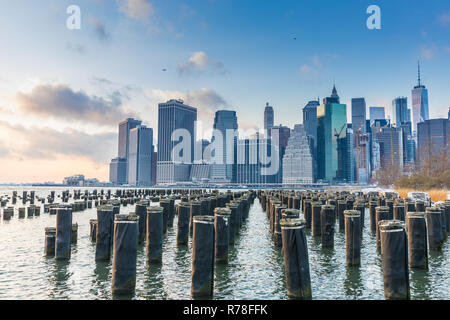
[255, 269]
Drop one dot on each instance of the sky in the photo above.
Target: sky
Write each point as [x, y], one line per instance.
[63, 91]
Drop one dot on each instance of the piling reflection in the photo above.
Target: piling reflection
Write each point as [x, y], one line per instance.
[353, 285]
[101, 283]
[58, 277]
[154, 282]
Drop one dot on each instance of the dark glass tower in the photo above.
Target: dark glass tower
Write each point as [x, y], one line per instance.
[331, 132]
[226, 121]
[173, 115]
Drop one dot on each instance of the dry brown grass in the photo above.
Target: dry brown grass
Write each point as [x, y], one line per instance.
[435, 195]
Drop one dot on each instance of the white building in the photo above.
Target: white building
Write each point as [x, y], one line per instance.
[298, 160]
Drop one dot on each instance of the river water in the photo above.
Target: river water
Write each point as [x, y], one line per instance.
[255, 269]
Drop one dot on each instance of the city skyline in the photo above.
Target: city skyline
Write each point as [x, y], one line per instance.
[63, 96]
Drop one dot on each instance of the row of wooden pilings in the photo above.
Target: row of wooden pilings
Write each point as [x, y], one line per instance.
[212, 220]
[405, 231]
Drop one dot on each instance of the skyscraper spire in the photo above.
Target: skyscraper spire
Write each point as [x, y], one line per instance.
[418, 71]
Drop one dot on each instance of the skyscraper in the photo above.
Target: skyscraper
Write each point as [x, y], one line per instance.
[376, 113]
[173, 115]
[359, 114]
[362, 157]
[124, 134]
[401, 118]
[118, 168]
[310, 120]
[140, 156]
[390, 142]
[297, 160]
[118, 171]
[345, 164]
[268, 117]
[283, 134]
[225, 121]
[400, 111]
[433, 137]
[310, 126]
[331, 128]
[250, 162]
[420, 111]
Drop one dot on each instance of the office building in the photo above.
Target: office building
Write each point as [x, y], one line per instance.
[400, 111]
[268, 117]
[331, 128]
[282, 134]
[118, 171]
[362, 157]
[223, 170]
[140, 158]
[297, 161]
[376, 113]
[252, 159]
[359, 114]
[433, 138]
[420, 111]
[310, 127]
[390, 142]
[173, 115]
[124, 134]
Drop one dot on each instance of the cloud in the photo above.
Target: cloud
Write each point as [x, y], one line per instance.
[36, 143]
[444, 18]
[200, 63]
[447, 49]
[317, 64]
[3, 151]
[61, 102]
[75, 47]
[307, 70]
[99, 29]
[137, 9]
[428, 52]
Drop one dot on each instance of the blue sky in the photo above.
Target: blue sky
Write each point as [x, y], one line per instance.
[218, 54]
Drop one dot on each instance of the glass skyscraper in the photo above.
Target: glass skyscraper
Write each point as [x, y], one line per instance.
[224, 121]
[331, 129]
[420, 111]
[376, 113]
[118, 168]
[118, 171]
[173, 115]
[124, 134]
[359, 114]
[400, 111]
[140, 156]
[268, 117]
[433, 137]
[310, 124]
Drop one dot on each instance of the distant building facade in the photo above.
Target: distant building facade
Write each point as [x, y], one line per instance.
[420, 110]
[297, 164]
[433, 137]
[173, 115]
[331, 129]
[376, 113]
[140, 158]
[118, 171]
[268, 117]
[359, 114]
[225, 121]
